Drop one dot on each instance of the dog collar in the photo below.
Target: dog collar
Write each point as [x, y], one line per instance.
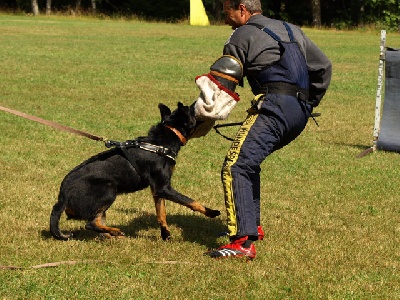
[178, 134]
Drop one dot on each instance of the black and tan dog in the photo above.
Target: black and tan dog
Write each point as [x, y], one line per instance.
[90, 188]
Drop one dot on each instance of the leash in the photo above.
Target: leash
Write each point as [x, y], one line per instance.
[108, 143]
[53, 124]
[225, 125]
[312, 115]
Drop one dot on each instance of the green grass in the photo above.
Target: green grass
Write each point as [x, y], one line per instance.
[331, 220]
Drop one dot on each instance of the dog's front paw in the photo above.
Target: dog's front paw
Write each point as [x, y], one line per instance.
[165, 233]
[117, 232]
[212, 213]
[104, 236]
[109, 235]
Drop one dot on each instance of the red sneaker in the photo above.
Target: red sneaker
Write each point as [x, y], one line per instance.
[260, 233]
[234, 249]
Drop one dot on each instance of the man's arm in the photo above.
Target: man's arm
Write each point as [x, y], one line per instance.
[217, 93]
[319, 70]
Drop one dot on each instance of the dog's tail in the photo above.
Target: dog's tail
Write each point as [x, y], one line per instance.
[55, 216]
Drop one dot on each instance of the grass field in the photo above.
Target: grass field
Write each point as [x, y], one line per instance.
[332, 221]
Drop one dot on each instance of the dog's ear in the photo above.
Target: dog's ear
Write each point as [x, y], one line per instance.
[185, 109]
[164, 110]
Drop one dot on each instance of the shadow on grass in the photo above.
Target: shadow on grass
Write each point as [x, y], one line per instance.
[364, 150]
[196, 229]
[358, 146]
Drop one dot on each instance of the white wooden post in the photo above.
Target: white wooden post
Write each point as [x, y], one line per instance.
[378, 99]
[378, 102]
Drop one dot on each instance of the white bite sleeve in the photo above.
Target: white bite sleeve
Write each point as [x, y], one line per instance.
[215, 102]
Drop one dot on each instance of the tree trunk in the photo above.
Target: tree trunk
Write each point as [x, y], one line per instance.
[398, 20]
[77, 7]
[361, 19]
[48, 7]
[316, 13]
[94, 7]
[217, 10]
[35, 8]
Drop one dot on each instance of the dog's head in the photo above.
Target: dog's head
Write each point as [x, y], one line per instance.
[182, 118]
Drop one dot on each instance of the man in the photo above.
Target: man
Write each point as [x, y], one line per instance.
[289, 75]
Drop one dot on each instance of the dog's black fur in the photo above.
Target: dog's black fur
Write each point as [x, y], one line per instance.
[90, 188]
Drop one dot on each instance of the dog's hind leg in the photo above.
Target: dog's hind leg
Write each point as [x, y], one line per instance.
[56, 212]
[162, 217]
[98, 224]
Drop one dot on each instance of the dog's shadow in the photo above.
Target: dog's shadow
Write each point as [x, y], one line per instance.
[192, 228]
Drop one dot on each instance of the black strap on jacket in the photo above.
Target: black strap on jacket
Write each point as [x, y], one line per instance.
[285, 89]
[282, 87]
[291, 90]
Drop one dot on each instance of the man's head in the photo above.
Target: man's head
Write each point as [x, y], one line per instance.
[237, 12]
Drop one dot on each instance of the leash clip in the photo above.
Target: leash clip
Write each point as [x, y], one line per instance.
[111, 143]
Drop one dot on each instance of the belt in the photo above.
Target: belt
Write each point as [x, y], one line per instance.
[285, 89]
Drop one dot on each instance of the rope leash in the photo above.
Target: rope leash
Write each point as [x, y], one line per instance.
[108, 143]
[53, 124]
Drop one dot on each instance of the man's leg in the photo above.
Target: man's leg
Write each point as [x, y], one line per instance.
[241, 182]
[259, 136]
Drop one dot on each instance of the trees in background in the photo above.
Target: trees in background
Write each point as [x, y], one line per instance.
[331, 13]
[316, 13]
[35, 7]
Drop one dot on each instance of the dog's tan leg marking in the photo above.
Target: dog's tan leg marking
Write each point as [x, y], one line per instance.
[196, 206]
[98, 224]
[160, 210]
[70, 213]
[211, 213]
[162, 217]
